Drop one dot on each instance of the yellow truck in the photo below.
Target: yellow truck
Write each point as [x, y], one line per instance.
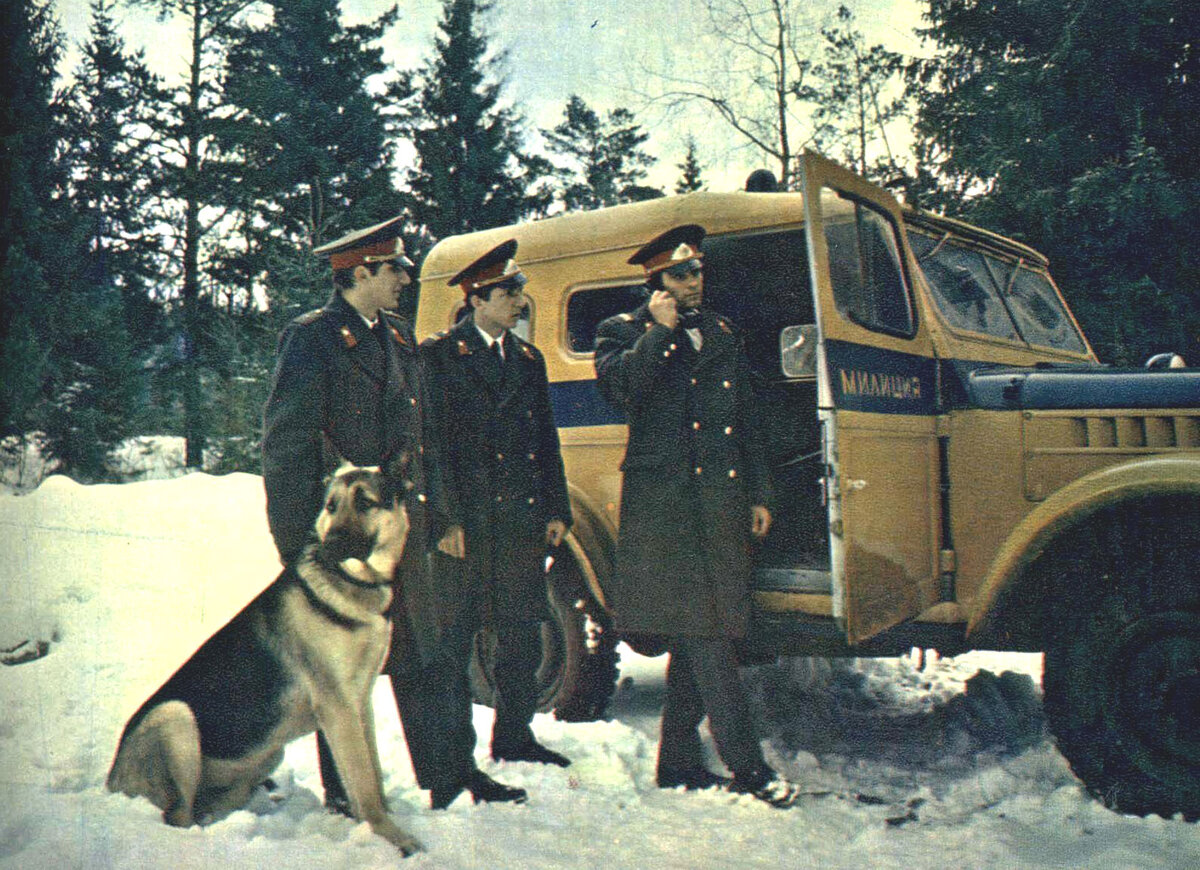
[953, 467]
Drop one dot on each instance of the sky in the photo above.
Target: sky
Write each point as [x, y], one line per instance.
[608, 52]
[905, 766]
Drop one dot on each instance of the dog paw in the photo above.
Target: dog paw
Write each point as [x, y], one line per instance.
[390, 831]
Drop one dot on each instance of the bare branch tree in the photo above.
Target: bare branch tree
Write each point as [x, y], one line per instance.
[755, 82]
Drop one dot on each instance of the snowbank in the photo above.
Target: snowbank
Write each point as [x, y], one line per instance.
[905, 767]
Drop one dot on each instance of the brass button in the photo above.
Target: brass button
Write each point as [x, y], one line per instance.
[693, 382]
[733, 472]
[531, 499]
[672, 345]
[421, 497]
[699, 469]
[412, 400]
[499, 498]
[500, 457]
[532, 456]
[726, 384]
[696, 424]
[728, 430]
[666, 353]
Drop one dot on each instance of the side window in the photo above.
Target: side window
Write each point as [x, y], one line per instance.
[587, 308]
[864, 266]
[962, 287]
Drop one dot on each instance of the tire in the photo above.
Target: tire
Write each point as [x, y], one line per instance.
[1122, 673]
[575, 684]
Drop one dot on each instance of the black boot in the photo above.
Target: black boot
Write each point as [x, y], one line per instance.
[692, 779]
[529, 751]
[767, 786]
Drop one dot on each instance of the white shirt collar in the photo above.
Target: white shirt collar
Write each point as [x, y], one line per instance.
[492, 339]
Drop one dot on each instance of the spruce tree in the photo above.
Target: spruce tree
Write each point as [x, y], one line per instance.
[30, 46]
[605, 160]
[195, 184]
[105, 322]
[470, 170]
[690, 179]
[307, 140]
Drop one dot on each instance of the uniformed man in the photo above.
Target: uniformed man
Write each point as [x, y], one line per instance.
[348, 384]
[505, 474]
[695, 492]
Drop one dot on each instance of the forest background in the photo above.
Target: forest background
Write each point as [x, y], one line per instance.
[166, 169]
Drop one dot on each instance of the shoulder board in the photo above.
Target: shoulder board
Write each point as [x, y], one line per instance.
[435, 339]
[626, 316]
[309, 316]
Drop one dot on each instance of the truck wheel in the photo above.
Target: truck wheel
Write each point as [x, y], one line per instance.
[1122, 673]
[575, 684]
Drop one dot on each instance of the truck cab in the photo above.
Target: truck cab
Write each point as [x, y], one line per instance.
[953, 467]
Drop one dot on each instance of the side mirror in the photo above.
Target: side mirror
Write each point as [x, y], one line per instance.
[798, 351]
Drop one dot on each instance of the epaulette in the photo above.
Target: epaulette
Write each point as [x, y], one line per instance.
[527, 350]
[308, 316]
[398, 326]
[436, 338]
[626, 316]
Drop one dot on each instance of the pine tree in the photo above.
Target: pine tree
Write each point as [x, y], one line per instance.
[471, 172]
[1077, 128]
[690, 178]
[105, 322]
[604, 154]
[30, 46]
[194, 184]
[115, 170]
[309, 141]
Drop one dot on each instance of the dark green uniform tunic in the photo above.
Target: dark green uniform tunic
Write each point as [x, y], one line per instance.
[693, 466]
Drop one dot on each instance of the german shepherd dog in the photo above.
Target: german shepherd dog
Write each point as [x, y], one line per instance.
[302, 655]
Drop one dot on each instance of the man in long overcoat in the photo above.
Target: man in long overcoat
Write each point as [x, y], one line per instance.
[695, 492]
[349, 384]
[505, 473]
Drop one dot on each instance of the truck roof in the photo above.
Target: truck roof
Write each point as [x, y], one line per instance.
[618, 227]
[629, 226]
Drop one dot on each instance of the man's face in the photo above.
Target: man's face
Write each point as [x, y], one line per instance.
[381, 290]
[686, 283]
[500, 310]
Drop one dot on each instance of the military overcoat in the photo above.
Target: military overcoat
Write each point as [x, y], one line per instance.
[344, 391]
[503, 462]
[694, 465]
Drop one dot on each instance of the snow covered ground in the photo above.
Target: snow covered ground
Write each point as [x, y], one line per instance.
[907, 768]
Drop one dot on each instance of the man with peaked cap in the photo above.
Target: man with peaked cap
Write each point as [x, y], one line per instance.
[348, 384]
[505, 474]
[695, 492]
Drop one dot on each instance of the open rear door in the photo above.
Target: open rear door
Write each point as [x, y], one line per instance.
[878, 404]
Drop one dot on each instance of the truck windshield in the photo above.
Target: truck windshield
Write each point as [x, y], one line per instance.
[982, 292]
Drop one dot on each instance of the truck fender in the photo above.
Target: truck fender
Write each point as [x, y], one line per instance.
[1066, 509]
